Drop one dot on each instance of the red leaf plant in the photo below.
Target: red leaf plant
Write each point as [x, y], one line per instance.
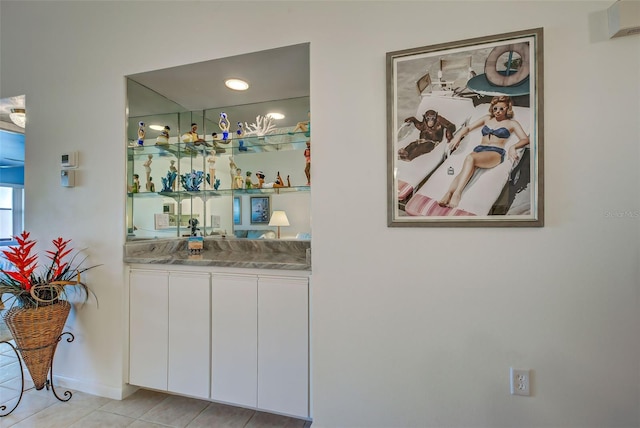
[32, 290]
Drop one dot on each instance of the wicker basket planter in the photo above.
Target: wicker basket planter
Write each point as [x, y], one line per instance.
[39, 307]
[37, 332]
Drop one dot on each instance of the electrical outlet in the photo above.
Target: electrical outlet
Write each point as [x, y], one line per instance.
[520, 381]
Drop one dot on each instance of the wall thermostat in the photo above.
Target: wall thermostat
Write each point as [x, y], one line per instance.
[69, 160]
[67, 178]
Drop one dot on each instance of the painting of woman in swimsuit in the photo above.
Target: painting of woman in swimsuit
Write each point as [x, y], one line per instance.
[497, 127]
[489, 172]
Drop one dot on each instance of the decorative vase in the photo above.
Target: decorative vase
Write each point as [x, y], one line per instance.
[37, 332]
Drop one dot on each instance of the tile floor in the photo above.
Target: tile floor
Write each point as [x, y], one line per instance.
[143, 409]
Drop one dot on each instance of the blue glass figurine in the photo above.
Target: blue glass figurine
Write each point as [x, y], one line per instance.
[240, 133]
[216, 184]
[192, 180]
[223, 123]
[169, 181]
[141, 133]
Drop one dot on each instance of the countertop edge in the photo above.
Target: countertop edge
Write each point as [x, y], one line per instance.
[221, 263]
[244, 254]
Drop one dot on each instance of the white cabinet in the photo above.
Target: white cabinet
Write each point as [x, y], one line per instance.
[283, 345]
[188, 364]
[149, 324]
[234, 339]
[260, 342]
[169, 332]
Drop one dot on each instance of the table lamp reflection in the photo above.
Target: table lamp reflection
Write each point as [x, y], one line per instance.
[279, 218]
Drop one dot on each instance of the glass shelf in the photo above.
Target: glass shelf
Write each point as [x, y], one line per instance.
[238, 146]
[220, 192]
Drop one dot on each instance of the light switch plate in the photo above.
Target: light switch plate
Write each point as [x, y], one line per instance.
[67, 178]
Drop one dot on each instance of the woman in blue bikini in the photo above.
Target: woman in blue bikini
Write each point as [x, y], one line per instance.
[497, 127]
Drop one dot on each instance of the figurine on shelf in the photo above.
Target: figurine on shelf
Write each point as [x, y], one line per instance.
[192, 136]
[240, 134]
[232, 170]
[303, 127]
[193, 224]
[223, 123]
[217, 140]
[174, 171]
[135, 187]
[238, 181]
[151, 187]
[216, 183]
[141, 133]
[272, 185]
[307, 168]
[147, 170]
[279, 183]
[163, 138]
[260, 175]
[248, 184]
[211, 160]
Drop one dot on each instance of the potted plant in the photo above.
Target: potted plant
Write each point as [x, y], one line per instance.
[39, 305]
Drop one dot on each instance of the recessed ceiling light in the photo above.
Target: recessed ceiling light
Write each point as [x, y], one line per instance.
[156, 127]
[236, 84]
[276, 115]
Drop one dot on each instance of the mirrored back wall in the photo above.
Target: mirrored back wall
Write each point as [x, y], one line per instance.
[278, 82]
[295, 110]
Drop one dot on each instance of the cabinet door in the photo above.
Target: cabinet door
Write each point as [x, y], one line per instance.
[234, 339]
[283, 345]
[189, 334]
[148, 326]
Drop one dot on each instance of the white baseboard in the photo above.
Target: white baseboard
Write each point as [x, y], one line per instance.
[107, 391]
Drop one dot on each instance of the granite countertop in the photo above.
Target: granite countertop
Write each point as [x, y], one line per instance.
[226, 252]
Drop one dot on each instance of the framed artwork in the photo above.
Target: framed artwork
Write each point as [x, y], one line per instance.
[169, 208]
[260, 209]
[237, 210]
[465, 133]
[160, 221]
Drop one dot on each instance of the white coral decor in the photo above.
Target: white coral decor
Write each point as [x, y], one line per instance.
[262, 126]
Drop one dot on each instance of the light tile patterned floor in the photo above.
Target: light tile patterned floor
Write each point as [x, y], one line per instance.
[143, 409]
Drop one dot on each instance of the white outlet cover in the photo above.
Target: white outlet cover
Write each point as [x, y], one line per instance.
[520, 381]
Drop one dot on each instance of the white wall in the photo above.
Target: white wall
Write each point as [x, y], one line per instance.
[411, 327]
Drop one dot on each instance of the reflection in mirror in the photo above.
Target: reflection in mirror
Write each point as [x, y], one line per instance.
[12, 154]
[206, 162]
[149, 106]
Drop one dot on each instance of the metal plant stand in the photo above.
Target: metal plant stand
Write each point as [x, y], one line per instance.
[49, 382]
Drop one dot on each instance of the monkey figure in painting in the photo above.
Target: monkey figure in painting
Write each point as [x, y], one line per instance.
[432, 129]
